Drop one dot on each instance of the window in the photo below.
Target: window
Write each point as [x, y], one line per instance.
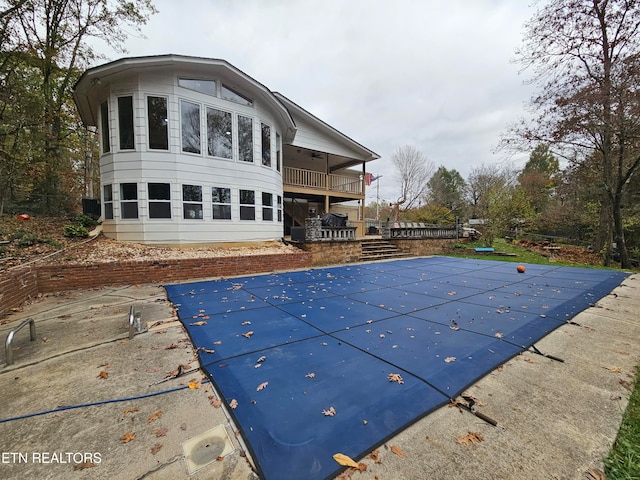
[245, 138]
[219, 136]
[202, 86]
[266, 145]
[247, 205]
[267, 206]
[190, 127]
[158, 123]
[233, 96]
[159, 200]
[125, 122]
[128, 200]
[279, 208]
[107, 202]
[192, 202]
[104, 127]
[278, 152]
[221, 200]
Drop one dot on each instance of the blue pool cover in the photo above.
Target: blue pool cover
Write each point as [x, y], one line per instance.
[289, 346]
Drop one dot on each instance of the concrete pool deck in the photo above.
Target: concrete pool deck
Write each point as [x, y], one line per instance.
[555, 420]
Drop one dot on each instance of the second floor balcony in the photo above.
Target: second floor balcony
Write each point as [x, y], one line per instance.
[301, 179]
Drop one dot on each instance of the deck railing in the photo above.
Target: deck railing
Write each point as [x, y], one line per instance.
[299, 177]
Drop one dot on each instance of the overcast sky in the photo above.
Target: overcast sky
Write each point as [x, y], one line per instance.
[433, 74]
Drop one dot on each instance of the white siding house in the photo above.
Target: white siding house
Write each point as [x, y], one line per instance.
[195, 151]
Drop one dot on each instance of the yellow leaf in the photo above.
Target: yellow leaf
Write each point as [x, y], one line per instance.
[344, 460]
[103, 374]
[194, 384]
[154, 416]
[127, 437]
[198, 324]
[397, 451]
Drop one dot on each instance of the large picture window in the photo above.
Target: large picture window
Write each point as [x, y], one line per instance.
[104, 127]
[192, 202]
[107, 202]
[245, 138]
[233, 96]
[158, 123]
[279, 208]
[267, 206]
[125, 122]
[221, 203]
[202, 86]
[190, 114]
[266, 145]
[129, 200]
[247, 205]
[278, 152]
[219, 134]
[159, 200]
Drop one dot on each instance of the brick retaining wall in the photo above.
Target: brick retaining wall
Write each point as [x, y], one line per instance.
[17, 285]
[23, 283]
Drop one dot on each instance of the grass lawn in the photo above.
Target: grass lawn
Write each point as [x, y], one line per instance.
[623, 462]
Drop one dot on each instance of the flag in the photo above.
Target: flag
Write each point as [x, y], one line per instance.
[368, 178]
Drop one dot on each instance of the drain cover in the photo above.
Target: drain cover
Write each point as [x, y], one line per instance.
[205, 448]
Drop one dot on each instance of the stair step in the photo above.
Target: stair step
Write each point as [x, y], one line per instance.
[377, 249]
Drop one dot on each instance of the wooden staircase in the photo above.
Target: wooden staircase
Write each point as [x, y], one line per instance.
[379, 249]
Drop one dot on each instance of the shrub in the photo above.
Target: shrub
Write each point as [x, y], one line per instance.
[86, 221]
[75, 231]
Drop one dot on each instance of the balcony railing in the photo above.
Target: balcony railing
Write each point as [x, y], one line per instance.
[299, 177]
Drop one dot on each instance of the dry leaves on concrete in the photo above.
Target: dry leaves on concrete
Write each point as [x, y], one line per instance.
[472, 438]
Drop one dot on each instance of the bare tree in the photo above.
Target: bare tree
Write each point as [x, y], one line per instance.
[584, 57]
[413, 171]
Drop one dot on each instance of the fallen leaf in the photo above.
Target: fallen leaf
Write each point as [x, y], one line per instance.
[215, 401]
[127, 437]
[198, 324]
[472, 438]
[310, 375]
[329, 413]
[233, 403]
[160, 432]
[626, 384]
[154, 416]
[615, 369]
[205, 350]
[172, 346]
[248, 334]
[257, 365]
[450, 359]
[103, 374]
[84, 465]
[261, 359]
[395, 377]
[452, 327]
[344, 460]
[262, 386]
[218, 342]
[499, 335]
[397, 451]
[194, 384]
[621, 352]
[156, 448]
[595, 474]
[374, 456]
[246, 323]
[104, 365]
[131, 410]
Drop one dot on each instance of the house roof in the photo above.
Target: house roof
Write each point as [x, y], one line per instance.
[96, 78]
[325, 128]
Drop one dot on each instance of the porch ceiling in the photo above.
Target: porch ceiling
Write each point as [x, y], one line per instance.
[316, 160]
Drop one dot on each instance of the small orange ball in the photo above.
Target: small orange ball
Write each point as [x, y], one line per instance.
[521, 268]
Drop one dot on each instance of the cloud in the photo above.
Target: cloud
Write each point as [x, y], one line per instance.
[436, 75]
